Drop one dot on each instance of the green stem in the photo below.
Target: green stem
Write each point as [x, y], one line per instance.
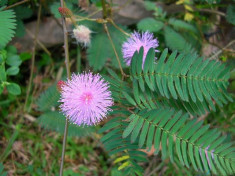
[78, 65]
[33, 58]
[64, 147]
[104, 9]
[66, 50]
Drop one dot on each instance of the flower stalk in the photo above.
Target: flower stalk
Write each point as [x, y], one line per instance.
[33, 57]
[66, 50]
[115, 51]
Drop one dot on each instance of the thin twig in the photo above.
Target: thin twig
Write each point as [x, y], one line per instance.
[221, 50]
[211, 11]
[30, 117]
[64, 147]
[84, 18]
[38, 42]
[33, 57]
[114, 49]
[16, 4]
[116, 26]
[230, 51]
[66, 49]
[93, 13]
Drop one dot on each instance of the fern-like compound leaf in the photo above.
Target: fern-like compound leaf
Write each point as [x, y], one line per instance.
[150, 24]
[151, 99]
[48, 99]
[116, 144]
[55, 121]
[175, 41]
[182, 25]
[175, 135]
[7, 26]
[182, 78]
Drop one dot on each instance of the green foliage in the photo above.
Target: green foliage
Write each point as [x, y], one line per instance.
[54, 9]
[2, 73]
[10, 143]
[185, 77]
[2, 173]
[13, 60]
[152, 104]
[9, 66]
[13, 88]
[25, 56]
[209, 1]
[95, 1]
[97, 53]
[224, 118]
[101, 49]
[193, 143]
[7, 26]
[178, 168]
[163, 92]
[54, 120]
[184, 31]
[3, 2]
[13, 70]
[150, 5]
[48, 99]
[117, 87]
[22, 13]
[158, 11]
[179, 35]
[230, 15]
[182, 25]
[176, 41]
[150, 24]
[149, 99]
[115, 144]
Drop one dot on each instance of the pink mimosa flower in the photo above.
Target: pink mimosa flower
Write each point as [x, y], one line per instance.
[135, 42]
[85, 99]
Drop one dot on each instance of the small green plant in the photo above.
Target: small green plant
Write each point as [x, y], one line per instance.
[9, 66]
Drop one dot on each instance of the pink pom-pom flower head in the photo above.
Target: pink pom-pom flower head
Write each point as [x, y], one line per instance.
[135, 42]
[85, 99]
